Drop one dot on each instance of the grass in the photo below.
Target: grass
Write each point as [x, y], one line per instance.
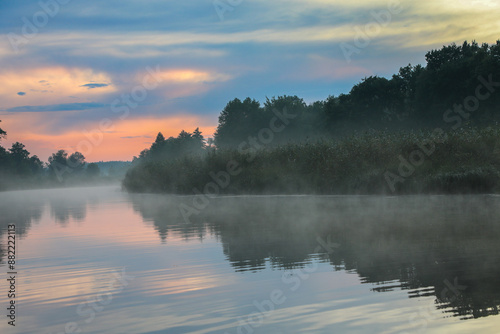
[462, 161]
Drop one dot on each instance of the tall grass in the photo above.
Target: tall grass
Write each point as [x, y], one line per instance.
[467, 160]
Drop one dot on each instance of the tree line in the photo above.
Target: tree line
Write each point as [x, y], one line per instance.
[185, 143]
[415, 97]
[19, 168]
[345, 143]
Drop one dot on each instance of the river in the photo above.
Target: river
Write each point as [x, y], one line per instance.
[98, 260]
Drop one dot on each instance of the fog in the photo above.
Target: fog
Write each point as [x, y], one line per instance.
[419, 244]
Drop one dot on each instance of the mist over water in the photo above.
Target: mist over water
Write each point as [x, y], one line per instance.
[342, 263]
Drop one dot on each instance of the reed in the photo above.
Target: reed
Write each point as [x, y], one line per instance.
[465, 161]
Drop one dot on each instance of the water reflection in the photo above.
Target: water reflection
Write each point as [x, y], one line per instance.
[23, 208]
[18, 210]
[440, 246]
[64, 209]
[446, 246]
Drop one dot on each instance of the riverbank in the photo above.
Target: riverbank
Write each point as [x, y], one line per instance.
[466, 160]
[13, 183]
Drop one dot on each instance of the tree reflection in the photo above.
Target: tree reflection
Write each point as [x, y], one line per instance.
[63, 210]
[21, 210]
[444, 246]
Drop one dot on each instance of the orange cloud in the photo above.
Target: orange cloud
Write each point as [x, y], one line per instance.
[192, 76]
[51, 85]
[182, 82]
[119, 140]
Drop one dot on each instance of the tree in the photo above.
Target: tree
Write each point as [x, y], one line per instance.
[293, 128]
[451, 75]
[93, 170]
[185, 143]
[76, 161]
[293, 104]
[198, 140]
[3, 152]
[144, 153]
[371, 100]
[405, 86]
[4, 157]
[2, 132]
[159, 138]
[197, 134]
[18, 152]
[337, 111]
[36, 165]
[189, 143]
[16, 161]
[156, 147]
[58, 165]
[237, 121]
[59, 157]
[19, 158]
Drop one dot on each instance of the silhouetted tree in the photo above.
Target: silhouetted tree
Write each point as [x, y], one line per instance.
[58, 165]
[2, 132]
[159, 138]
[18, 152]
[93, 170]
[451, 75]
[76, 162]
[295, 127]
[337, 112]
[21, 163]
[237, 121]
[36, 165]
[186, 143]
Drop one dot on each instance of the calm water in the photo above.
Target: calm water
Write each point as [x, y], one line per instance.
[96, 260]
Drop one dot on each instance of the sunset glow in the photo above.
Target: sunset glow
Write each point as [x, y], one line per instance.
[63, 79]
[121, 141]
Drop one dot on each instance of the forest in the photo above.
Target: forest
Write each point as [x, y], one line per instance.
[21, 170]
[431, 128]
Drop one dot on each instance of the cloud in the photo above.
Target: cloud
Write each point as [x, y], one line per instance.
[191, 76]
[133, 137]
[51, 85]
[21, 93]
[94, 85]
[58, 107]
[41, 91]
[261, 49]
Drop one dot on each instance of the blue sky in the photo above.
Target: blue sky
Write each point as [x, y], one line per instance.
[67, 66]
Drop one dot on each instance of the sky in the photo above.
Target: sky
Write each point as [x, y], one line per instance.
[104, 77]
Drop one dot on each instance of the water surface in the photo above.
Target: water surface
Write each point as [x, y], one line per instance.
[97, 260]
